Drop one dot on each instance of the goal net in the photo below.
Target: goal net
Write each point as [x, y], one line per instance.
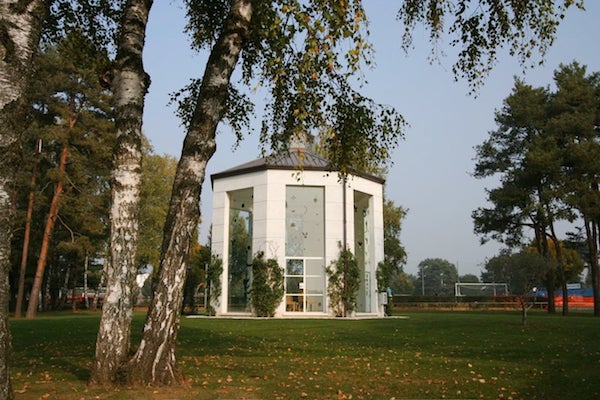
[480, 289]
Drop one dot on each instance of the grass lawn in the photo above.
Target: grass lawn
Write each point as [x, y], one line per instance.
[429, 355]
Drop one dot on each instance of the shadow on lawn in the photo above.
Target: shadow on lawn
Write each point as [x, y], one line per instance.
[552, 358]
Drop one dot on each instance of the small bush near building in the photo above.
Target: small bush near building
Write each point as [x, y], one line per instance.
[344, 282]
[213, 282]
[267, 285]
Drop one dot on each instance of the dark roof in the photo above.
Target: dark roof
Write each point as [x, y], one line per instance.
[295, 159]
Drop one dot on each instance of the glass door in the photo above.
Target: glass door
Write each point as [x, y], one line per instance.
[304, 285]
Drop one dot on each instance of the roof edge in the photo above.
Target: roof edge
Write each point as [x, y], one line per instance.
[271, 163]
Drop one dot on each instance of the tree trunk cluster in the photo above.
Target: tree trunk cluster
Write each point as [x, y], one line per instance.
[155, 362]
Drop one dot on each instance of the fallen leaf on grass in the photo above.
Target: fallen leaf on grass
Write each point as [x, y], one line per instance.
[20, 391]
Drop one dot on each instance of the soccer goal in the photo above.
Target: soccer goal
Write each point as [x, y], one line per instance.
[480, 289]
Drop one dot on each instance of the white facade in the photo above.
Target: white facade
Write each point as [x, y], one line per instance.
[296, 217]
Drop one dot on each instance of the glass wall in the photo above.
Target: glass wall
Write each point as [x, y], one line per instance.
[362, 247]
[240, 250]
[305, 249]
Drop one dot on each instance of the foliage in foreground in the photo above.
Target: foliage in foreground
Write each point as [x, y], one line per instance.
[427, 355]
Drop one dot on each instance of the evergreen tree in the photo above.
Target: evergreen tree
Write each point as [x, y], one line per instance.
[71, 116]
[574, 122]
[545, 151]
[343, 282]
[526, 158]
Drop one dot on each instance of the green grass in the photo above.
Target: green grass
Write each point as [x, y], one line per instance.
[429, 355]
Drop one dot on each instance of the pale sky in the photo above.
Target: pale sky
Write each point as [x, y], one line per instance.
[431, 172]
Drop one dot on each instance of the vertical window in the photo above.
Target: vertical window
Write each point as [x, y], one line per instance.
[305, 249]
[240, 250]
[362, 247]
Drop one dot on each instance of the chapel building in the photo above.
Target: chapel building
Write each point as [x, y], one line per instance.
[295, 210]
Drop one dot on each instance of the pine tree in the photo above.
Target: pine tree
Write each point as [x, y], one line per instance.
[71, 115]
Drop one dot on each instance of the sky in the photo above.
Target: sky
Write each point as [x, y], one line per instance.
[431, 172]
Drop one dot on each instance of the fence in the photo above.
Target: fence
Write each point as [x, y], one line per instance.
[463, 303]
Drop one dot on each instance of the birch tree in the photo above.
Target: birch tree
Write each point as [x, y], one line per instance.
[306, 54]
[481, 29]
[295, 47]
[20, 28]
[154, 360]
[303, 83]
[95, 18]
[129, 83]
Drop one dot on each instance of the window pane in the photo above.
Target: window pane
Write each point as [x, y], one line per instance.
[314, 285]
[293, 303]
[314, 303]
[295, 267]
[314, 267]
[305, 216]
[293, 285]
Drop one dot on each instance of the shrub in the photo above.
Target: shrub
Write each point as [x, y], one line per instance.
[213, 282]
[267, 285]
[343, 283]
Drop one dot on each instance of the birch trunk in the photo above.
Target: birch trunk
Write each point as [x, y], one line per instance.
[129, 86]
[155, 361]
[52, 216]
[20, 27]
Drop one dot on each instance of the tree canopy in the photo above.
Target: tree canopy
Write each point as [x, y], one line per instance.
[437, 277]
[158, 172]
[544, 152]
[481, 29]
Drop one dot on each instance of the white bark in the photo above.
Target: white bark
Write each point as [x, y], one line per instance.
[155, 361]
[129, 86]
[22, 29]
[20, 26]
